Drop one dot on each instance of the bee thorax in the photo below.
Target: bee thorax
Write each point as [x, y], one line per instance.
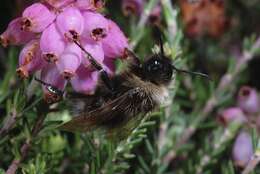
[160, 95]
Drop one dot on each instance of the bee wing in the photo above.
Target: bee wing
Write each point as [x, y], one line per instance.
[80, 103]
[112, 115]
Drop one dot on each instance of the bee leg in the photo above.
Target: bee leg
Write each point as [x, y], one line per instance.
[53, 91]
[104, 76]
[107, 81]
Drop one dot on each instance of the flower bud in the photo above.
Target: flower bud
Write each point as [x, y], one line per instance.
[242, 149]
[85, 80]
[155, 16]
[89, 4]
[94, 49]
[52, 76]
[233, 114]
[135, 7]
[248, 100]
[30, 59]
[115, 43]
[95, 26]
[70, 23]
[52, 44]
[36, 18]
[14, 35]
[69, 61]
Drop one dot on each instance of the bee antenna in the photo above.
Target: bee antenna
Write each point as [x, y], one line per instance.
[191, 72]
[161, 45]
[158, 34]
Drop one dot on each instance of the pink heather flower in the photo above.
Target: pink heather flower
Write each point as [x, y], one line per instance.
[96, 26]
[52, 76]
[135, 7]
[85, 80]
[30, 59]
[59, 3]
[109, 66]
[89, 4]
[115, 43]
[36, 18]
[70, 23]
[47, 29]
[94, 49]
[69, 61]
[155, 16]
[248, 100]
[52, 44]
[233, 114]
[242, 149]
[14, 35]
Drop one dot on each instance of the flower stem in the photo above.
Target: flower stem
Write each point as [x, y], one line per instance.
[214, 100]
[25, 148]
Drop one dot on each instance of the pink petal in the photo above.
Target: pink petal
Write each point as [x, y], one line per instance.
[69, 61]
[85, 80]
[52, 44]
[109, 66]
[94, 49]
[155, 16]
[115, 43]
[70, 23]
[248, 100]
[242, 149]
[36, 18]
[89, 4]
[135, 7]
[52, 76]
[14, 35]
[233, 114]
[95, 26]
[30, 59]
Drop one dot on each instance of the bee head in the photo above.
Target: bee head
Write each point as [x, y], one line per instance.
[158, 69]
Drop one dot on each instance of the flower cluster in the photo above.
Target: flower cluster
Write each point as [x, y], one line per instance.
[48, 31]
[246, 112]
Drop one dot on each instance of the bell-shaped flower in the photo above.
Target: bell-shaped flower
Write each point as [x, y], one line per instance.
[13, 35]
[92, 5]
[51, 76]
[94, 49]
[242, 149]
[69, 61]
[95, 26]
[52, 44]
[30, 59]
[135, 7]
[248, 100]
[232, 114]
[36, 18]
[70, 23]
[85, 80]
[115, 43]
[155, 15]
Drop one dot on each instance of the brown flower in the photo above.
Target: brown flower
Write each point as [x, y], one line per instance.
[203, 17]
